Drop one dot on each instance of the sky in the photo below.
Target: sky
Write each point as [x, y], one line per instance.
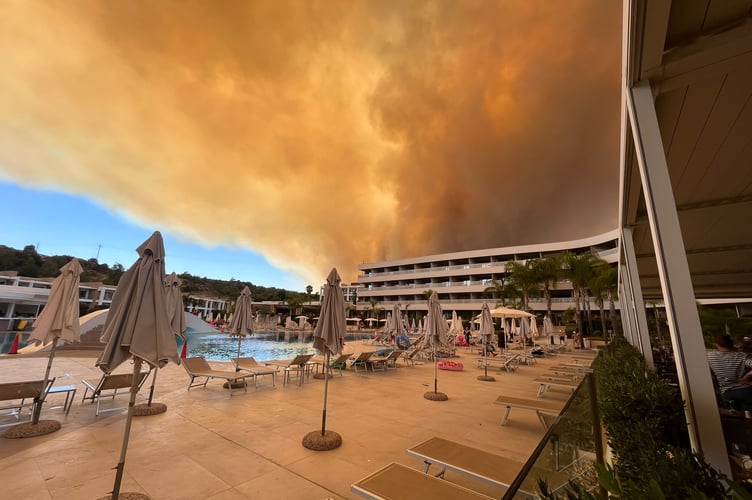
[272, 141]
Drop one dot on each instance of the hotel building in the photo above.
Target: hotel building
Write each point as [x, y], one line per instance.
[461, 278]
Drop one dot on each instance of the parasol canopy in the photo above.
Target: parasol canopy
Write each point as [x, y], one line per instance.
[137, 323]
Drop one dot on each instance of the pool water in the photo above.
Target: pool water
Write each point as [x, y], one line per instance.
[220, 347]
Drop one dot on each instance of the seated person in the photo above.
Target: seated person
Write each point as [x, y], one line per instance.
[731, 369]
[490, 349]
[403, 342]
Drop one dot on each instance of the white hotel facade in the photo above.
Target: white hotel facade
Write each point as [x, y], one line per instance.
[461, 278]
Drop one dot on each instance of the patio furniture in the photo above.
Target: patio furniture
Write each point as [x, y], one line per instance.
[540, 407]
[547, 382]
[399, 481]
[16, 394]
[199, 368]
[108, 386]
[299, 365]
[360, 361]
[250, 364]
[489, 468]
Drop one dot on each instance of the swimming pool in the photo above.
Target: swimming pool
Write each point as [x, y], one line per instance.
[220, 347]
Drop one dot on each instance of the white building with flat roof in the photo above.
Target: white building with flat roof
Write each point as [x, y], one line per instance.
[22, 298]
[461, 278]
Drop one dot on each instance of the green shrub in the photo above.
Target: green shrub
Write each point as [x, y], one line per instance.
[644, 420]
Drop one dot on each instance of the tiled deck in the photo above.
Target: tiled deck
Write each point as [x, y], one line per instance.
[211, 446]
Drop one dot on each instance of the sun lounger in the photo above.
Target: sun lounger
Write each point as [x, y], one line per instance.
[555, 374]
[506, 362]
[249, 364]
[546, 382]
[299, 365]
[410, 356]
[360, 361]
[338, 362]
[478, 464]
[108, 386]
[540, 407]
[199, 368]
[16, 394]
[384, 361]
[398, 481]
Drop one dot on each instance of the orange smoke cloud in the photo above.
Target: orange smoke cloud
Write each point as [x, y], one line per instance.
[321, 133]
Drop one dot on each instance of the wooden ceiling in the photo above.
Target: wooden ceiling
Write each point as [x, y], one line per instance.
[697, 56]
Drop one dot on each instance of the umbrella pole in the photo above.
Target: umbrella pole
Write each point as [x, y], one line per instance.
[38, 405]
[485, 355]
[153, 383]
[326, 391]
[435, 371]
[121, 464]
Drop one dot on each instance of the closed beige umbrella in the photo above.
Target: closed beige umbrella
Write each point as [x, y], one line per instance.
[327, 339]
[242, 320]
[486, 333]
[436, 334]
[138, 327]
[176, 316]
[59, 321]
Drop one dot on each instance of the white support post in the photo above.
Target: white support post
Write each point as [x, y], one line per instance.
[638, 304]
[626, 310]
[703, 419]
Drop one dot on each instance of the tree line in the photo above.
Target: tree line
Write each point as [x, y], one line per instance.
[590, 276]
[29, 263]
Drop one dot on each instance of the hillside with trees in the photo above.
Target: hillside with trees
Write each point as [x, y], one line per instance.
[28, 262]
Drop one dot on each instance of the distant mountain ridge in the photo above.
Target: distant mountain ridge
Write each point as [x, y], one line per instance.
[28, 262]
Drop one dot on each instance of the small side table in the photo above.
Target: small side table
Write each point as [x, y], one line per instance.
[70, 395]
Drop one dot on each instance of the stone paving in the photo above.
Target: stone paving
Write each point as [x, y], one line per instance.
[209, 445]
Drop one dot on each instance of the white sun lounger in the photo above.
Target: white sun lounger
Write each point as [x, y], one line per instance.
[399, 481]
[545, 383]
[487, 467]
[540, 407]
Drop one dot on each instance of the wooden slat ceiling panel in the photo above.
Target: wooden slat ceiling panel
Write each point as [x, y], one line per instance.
[643, 241]
[735, 151]
[698, 104]
[721, 13]
[718, 226]
[721, 120]
[686, 21]
[731, 258]
[668, 108]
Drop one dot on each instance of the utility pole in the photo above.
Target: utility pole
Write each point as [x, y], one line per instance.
[99, 247]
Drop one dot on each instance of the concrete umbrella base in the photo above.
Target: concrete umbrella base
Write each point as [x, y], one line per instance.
[29, 430]
[235, 385]
[315, 441]
[145, 410]
[486, 378]
[127, 495]
[322, 376]
[436, 396]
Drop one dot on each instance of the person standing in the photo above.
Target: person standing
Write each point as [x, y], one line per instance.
[502, 340]
[467, 335]
[731, 370]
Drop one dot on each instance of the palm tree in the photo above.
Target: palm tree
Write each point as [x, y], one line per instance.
[548, 271]
[500, 290]
[308, 291]
[374, 309]
[578, 268]
[598, 289]
[607, 277]
[523, 278]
